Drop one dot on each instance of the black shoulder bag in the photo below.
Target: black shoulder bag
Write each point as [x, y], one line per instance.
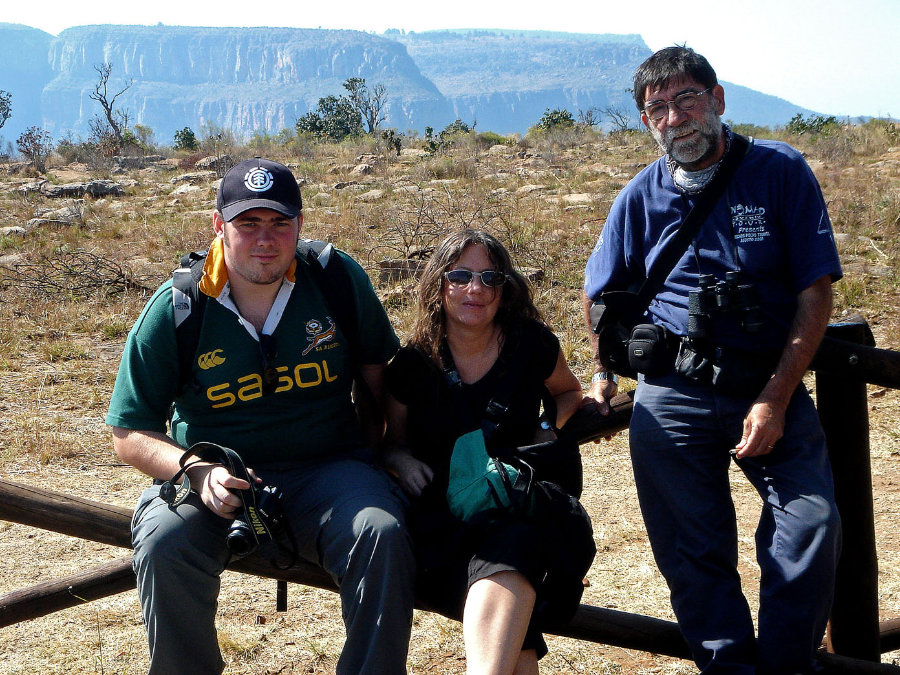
[616, 316]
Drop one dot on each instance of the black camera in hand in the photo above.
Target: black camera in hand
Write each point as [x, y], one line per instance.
[715, 298]
[261, 516]
[258, 522]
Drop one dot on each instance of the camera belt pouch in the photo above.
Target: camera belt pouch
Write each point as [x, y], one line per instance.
[612, 319]
[648, 350]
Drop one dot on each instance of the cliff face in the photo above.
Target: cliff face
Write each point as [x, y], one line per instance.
[247, 79]
[263, 79]
[507, 79]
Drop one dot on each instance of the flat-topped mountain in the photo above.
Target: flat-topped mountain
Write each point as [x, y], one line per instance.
[245, 79]
[264, 79]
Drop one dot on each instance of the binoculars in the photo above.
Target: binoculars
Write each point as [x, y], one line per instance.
[722, 297]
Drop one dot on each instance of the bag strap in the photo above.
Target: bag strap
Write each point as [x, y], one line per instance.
[699, 212]
[497, 406]
[333, 280]
[188, 305]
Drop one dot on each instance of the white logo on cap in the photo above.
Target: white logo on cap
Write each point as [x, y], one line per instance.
[258, 179]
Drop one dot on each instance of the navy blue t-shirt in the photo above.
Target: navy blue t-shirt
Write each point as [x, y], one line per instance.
[771, 224]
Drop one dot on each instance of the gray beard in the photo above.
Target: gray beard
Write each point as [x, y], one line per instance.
[690, 153]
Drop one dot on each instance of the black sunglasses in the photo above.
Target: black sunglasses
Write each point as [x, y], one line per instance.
[489, 278]
[268, 350]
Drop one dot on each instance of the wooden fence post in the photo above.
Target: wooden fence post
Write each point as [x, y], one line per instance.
[843, 410]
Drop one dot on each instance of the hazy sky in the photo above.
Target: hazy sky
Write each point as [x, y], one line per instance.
[835, 56]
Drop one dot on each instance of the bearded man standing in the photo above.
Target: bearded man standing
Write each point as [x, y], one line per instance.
[738, 320]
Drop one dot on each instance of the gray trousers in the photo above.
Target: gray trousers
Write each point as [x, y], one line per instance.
[347, 517]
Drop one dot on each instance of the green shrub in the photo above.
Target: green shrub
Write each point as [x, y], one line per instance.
[449, 136]
[185, 139]
[558, 118]
[334, 119]
[814, 124]
[489, 138]
[35, 144]
[72, 150]
[750, 130]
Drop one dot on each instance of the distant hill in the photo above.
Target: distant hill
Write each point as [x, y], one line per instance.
[505, 80]
[263, 79]
[24, 72]
[241, 78]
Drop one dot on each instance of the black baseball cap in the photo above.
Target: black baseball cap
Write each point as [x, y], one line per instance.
[258, 184]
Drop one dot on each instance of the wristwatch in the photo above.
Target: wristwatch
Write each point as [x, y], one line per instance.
[605, 375]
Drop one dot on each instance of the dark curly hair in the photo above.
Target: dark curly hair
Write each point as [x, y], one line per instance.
[670, 64]
[516, 303]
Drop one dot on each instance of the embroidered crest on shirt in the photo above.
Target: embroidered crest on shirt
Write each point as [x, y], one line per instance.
[318, 334]
[749, 223]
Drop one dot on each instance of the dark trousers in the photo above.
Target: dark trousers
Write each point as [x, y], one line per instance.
[680, 436]
[347, 517]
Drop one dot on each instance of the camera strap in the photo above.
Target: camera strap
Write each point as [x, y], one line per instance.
[219, 454]
[497, 407]
[615, 314]
[206, 452]
[175, 494]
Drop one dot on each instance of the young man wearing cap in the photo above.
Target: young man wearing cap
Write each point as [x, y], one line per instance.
[271, 379]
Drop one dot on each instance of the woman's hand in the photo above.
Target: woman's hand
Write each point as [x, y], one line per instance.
[412, 474]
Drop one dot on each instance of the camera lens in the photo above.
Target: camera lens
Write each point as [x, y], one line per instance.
[240, 538]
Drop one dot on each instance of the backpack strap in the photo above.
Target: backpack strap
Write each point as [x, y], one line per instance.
[188, 304]
[333, 279]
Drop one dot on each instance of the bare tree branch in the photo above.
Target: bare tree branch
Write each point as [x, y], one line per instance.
[117, 119]
[73, 273]
[368, 104]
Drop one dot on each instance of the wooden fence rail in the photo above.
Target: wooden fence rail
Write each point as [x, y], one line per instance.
[95, 521]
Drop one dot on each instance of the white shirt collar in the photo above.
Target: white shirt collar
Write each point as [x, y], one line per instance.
[275, 314]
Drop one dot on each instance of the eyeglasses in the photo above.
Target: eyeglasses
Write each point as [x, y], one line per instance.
[684, 102]
[268, 350]
[489, 278]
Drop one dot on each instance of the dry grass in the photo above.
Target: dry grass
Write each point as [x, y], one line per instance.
[59, 351]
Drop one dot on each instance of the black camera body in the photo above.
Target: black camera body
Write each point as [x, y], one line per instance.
[731, 296]
[259, 522]
[261, 516]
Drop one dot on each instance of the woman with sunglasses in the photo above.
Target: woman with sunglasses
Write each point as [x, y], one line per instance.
[475, 318]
